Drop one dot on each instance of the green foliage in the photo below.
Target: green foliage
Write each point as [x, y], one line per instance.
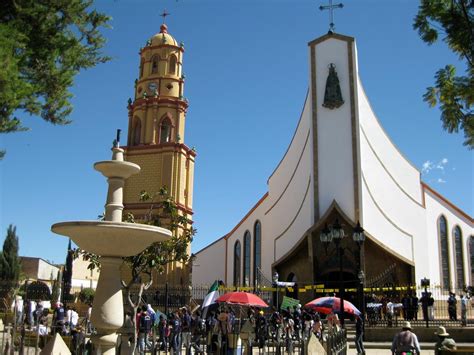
[37, 291]
[10, 265]
[87, 295]
[56, 288]
[43, 46]
[163, 212]
[453, 19]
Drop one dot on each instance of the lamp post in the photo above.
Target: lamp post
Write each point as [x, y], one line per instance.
[275, 282]
[335, 233]
[359, 237]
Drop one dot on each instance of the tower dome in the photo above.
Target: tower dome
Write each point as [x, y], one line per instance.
[163, 37]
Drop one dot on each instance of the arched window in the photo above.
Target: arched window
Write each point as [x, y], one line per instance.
[136, 132]
[444, 252]
[458, 257]
[154, 64]
[471, 257]
[172, 66]
[246, 278]
[257, 251]
[165, 131]
[141, 68]
[237, 253]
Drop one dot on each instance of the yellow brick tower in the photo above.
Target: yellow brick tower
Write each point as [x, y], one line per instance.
[156, 135]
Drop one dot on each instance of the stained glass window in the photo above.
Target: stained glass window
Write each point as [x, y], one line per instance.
[257, 250]
[471, 252]
[237, 253]
[444, 252]
[457, 237]
[246, 277]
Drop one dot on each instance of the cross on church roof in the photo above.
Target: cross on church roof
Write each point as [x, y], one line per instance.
[164, 14]
[331, 8]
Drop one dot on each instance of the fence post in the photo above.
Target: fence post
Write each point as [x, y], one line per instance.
[166, 299]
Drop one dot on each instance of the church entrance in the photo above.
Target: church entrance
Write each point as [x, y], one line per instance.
[350, 284]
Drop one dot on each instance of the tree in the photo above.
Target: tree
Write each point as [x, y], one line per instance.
[163, 212]
[10, 266]
[43, 46]
[453, 19]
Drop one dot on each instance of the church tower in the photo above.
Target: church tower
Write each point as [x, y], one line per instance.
[156, 127]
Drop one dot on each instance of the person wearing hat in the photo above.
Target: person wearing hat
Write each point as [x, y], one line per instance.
[444, 341]
[261, 329]
[405, 341]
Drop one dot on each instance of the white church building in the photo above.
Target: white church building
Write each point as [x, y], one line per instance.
[341, 165]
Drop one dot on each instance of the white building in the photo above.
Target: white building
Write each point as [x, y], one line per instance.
[342, 165]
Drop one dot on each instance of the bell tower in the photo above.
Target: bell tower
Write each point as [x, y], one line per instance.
[156, 128]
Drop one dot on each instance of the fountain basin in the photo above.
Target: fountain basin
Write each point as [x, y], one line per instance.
[116, 168]
[108, 238]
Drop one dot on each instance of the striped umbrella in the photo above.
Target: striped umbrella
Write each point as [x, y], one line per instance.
[326, 305]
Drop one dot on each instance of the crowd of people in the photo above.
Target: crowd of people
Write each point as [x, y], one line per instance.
[215, 330]
[407, 307]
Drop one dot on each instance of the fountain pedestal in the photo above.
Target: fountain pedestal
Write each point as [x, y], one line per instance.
[111, 240]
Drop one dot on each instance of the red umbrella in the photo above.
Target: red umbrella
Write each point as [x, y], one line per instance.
[242, 299]
[327, 305]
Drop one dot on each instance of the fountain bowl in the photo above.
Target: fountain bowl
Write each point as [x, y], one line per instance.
[108, 238]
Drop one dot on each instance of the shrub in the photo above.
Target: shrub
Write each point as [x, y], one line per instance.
[87, 295]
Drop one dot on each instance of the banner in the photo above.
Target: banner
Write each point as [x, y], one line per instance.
[288, 302]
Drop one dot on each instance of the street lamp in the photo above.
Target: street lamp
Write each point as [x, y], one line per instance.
[358, 236]
[335, 233]
[275, 282]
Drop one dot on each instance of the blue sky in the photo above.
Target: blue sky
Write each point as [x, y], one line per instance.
[246, 66]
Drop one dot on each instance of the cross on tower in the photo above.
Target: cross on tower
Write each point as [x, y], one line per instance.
[164, 14]
[331, 8]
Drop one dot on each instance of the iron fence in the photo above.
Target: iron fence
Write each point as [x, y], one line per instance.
[30, 341]
[430, 307]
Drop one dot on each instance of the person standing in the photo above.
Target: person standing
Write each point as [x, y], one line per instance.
[261, 329]
[452, 306]
[424, 305]
[430, 306]
[390, 310]
[186, 329]
[406, 306]
[359, 339]
[464, 301]
[444, 341]
[414, 306]
[405, 341]
[59, 319]
[144, 327]
[176, 333]
[73, 319]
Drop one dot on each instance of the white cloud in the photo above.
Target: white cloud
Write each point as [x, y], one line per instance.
[427, 167]
[441, 164]
[441, 181]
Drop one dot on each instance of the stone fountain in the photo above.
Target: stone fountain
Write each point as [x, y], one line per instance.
[111, 240]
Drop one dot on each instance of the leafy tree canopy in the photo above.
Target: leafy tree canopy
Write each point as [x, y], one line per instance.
[43, 45]
[453, 20]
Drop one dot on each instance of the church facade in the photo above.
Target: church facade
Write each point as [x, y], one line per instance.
[341, 167]
[156, 131]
